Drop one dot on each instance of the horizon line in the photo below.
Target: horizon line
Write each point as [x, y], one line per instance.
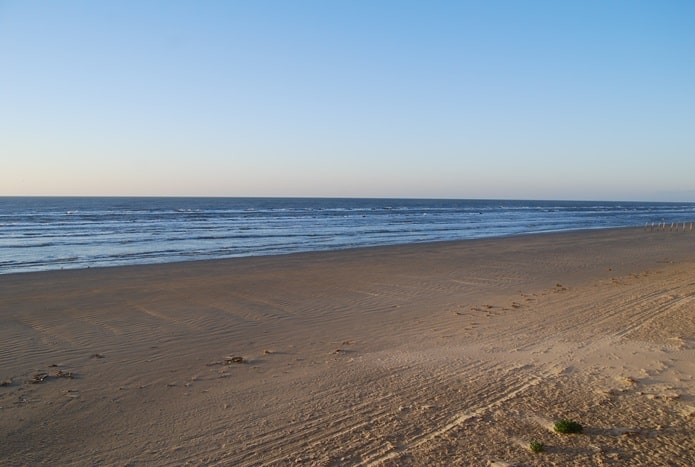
[286, 197]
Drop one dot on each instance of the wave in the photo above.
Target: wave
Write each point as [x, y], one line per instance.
[37, 234]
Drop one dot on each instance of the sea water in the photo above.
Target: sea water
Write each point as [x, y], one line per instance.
[38, 233]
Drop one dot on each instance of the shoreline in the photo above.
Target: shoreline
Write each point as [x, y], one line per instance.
[105, 232]
[340, 250]
[441, 352]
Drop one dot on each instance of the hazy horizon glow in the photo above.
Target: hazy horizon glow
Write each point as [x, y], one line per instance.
[527, 100]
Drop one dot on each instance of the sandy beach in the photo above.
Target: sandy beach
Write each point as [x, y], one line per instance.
[457, 353]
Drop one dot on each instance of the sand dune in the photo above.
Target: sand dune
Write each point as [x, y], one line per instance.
[456, 353]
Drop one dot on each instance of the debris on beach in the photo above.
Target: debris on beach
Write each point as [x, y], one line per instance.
[38, 378]
[97, 355]
[64, 374]
[234, 359]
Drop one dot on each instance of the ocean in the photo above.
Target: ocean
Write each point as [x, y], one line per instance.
[38, 234]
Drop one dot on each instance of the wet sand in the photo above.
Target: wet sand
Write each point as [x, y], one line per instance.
[457, 353]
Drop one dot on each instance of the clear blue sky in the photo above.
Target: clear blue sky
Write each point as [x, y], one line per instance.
[457, 99]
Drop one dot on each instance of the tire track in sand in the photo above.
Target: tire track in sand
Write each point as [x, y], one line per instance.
[358, 426]
[503, 392]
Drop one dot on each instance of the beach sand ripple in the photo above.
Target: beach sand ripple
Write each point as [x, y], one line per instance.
[458, 353]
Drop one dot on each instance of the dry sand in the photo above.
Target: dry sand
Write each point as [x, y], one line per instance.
[440, 354]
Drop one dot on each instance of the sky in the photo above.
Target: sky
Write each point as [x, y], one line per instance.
[586, 100]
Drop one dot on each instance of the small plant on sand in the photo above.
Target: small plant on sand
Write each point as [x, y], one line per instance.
[568, 426]
[536, 446]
